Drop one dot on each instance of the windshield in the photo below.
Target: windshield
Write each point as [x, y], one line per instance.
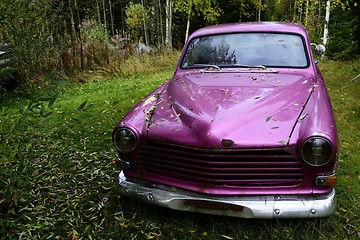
[246, 50]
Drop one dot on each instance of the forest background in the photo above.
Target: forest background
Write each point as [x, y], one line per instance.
[53, 38]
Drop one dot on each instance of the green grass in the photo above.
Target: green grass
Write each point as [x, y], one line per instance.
[57, 176]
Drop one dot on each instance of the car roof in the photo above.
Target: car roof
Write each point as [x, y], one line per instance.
[251, 27]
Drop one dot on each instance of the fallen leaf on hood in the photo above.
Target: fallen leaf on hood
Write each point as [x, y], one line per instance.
[224, 90]
[268, 118]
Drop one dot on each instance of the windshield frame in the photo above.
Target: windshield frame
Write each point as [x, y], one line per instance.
[303, 41]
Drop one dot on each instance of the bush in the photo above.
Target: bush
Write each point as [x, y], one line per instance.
[344, 34]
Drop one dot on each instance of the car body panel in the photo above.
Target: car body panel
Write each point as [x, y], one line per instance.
[224, 136]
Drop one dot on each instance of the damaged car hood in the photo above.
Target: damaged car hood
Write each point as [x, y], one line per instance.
[228, 110]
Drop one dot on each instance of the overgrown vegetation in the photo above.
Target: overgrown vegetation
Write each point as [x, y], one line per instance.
[58, 39]
[57, 176]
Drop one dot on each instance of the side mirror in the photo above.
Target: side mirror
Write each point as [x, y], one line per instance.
[319, 49]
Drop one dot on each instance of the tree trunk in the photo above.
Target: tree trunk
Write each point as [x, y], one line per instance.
[98, 11]
[104, 12]
[111, 19]
[301, 11]
[80, 38]
[259, 12]
[122, 19]
[326, 25]
[145, 27]
[188, 23]
[306, 13]
[161, 24]
[72, 18]
[168, 33]
[289, 10]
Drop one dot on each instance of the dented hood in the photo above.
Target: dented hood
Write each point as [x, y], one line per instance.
[229, 110]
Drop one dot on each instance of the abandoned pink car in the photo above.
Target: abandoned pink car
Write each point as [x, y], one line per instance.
[244, 128]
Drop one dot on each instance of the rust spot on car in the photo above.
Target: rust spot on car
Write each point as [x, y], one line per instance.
[227, 142]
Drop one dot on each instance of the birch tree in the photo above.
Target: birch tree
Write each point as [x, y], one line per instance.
[206, 8]
[135, 17]
[145, 26]
[111, 18]
[249, 10]
[168, 25]
[326, 25]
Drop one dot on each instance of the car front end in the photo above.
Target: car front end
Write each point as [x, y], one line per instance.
[252, 141]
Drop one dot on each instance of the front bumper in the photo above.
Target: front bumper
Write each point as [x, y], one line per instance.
[264, 206]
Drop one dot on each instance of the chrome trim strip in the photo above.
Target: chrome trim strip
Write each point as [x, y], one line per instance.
[269, 206]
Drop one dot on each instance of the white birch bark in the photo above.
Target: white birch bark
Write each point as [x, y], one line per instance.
[161, 23]
[168, 37]
[188, 23]
[259, 12]
[306, 12]
[104, 12]
[326, 25]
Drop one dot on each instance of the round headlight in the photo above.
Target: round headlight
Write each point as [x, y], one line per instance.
[317, 151]
[124, 140]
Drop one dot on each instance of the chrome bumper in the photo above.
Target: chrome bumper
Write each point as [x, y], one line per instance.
[269, 206]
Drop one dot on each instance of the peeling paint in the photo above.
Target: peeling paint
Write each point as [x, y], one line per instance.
[284, 142]
[150, 100]
[302, 117]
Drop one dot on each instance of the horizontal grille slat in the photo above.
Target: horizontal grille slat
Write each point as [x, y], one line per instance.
[220, 167]
[242, 181]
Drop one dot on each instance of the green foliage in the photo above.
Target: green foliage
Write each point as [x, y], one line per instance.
[344, 33]
[59, 181]
[246, 8]
[24, 24]
[135, 17]
[65, 38]
[93, 32]
[208, 9]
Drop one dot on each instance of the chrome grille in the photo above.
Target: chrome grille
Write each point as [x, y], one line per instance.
[219, 167]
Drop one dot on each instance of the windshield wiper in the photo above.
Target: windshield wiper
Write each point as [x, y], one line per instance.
[249, 66]
[208, 67]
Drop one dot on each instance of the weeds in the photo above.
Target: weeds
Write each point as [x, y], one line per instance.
[58, 179]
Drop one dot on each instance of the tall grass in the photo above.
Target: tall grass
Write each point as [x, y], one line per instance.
[58, 178]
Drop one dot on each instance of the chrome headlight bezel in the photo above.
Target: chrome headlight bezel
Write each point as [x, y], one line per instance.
[125, 140]
[317, 151]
